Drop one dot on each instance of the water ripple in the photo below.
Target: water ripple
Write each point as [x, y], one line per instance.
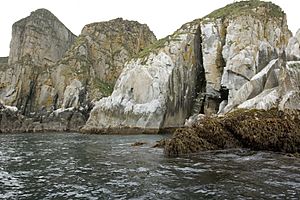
[75, 166]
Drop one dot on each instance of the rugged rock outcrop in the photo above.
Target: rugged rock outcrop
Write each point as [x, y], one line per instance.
[38, 41]
[40, 38]
[155, 89]
[12, 121]
[90, 68]
[284, 92]
[198, 69]
[50, 69]
[271, 130]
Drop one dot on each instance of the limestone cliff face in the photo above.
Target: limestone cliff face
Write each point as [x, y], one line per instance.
[50, 68]
[293, 48]
[38, 41]
[40, 38]
[199, 69]
[155, 89]
[92, 65]
[244, 45]
[278, 86]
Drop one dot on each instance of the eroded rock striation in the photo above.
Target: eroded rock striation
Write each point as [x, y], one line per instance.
[208, 66]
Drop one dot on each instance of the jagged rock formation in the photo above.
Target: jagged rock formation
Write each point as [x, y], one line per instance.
[152, 89]
[44, 76]
[274, 86]
[239, 56]
[199, 69]
[50, 69]
[38, 41]
[90, 68]
[12, 121]
[293, 48]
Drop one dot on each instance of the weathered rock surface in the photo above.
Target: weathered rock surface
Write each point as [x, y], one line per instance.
[293, 49]
[12, 121]
[90, 68]
[40, 38]
[38, 41]
[3, 63]
[271, 130]
[198, 69]
[156, 89]
[50, 68]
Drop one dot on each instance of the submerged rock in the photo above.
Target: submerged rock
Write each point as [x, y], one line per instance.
[271, 130]
[138, 144]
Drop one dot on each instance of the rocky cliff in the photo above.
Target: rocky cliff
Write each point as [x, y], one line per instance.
[50, 71]
[156, 88]
[43, 68]
[38, 41]
[201, 68]
[89, 69]
[239, 56]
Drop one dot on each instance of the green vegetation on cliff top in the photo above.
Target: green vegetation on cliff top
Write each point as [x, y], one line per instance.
[231, 10]
[247, 7]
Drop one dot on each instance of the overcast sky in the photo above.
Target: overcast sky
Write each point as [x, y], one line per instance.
[162, 16]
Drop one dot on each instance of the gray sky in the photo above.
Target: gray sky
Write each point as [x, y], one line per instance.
[162, 16]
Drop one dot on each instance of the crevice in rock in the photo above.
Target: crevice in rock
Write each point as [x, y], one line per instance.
[55, 101]
[27, 108]
[224, 91]
[200, 89]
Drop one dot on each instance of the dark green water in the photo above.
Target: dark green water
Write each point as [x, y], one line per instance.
[75, 166]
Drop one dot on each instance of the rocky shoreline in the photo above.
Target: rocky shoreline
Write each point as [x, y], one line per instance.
[271, 130]
[214, 72]
[68, 120]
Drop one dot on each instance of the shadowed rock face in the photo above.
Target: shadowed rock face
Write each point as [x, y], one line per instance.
[200, 68]
[12, 121]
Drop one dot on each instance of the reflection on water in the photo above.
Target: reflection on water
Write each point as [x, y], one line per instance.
[76, 166]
